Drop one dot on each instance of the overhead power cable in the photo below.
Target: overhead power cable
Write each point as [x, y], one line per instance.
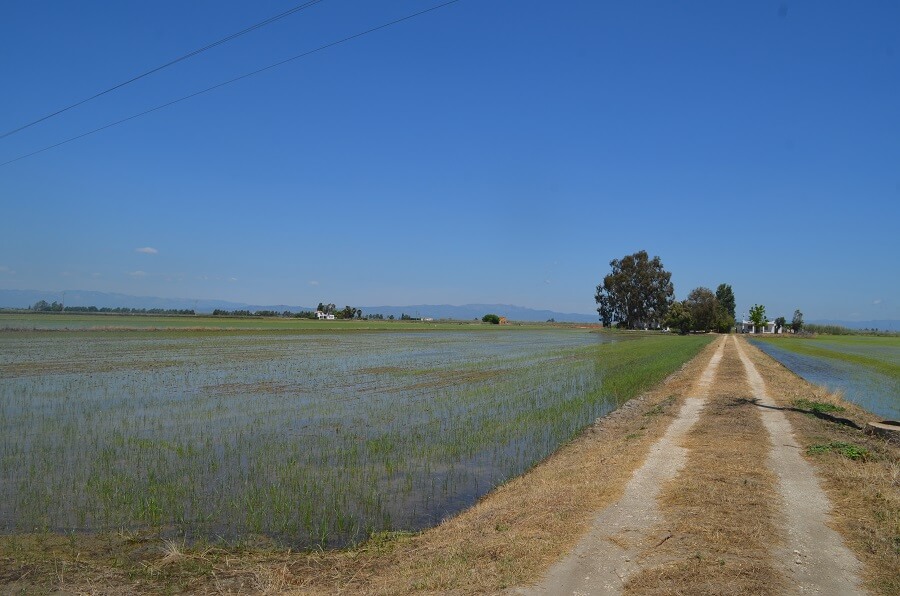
[277, 17]
[234, 80]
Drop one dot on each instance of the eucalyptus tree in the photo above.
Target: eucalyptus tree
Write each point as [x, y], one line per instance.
[637, 293]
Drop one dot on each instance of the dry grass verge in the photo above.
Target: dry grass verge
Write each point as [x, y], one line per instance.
[865, 490]
[509, 538]
[720, 509]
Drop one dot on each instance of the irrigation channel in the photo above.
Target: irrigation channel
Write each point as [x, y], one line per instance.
[308, 439]
[871, 388]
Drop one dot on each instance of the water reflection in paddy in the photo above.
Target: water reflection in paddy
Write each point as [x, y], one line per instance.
[313, 438]
[876, 392]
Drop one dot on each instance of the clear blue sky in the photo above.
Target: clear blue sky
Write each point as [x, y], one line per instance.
[490, 151]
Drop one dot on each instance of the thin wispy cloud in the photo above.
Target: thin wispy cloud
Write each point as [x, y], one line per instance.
[876, 301]
[232, 279]
[313, 283]
[147, 250]
[6, 270]
[137, 273]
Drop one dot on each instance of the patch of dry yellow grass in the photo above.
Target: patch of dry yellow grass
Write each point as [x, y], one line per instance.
[719, 509]
[865, 493]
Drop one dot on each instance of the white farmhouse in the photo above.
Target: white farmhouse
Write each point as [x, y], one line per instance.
[321, 315]
[748, 327]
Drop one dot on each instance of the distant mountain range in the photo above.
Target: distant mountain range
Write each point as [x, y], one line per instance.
[25, 298]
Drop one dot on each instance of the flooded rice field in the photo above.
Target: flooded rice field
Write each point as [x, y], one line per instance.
[308, 439]
[866, 370]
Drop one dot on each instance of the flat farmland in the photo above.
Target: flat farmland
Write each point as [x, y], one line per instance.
[306, 437]
[113, 321]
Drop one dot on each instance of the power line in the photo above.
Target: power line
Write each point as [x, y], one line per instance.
[234, 80]
[230, 81]
[167, 64]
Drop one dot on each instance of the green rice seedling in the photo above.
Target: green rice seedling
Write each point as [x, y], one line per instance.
[310, 438]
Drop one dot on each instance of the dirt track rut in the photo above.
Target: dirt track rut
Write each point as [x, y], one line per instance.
[812, 557]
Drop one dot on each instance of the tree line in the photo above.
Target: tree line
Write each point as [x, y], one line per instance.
[44, 306]
[638, 294]
[303, 314]
[348, 312]
[703, 310]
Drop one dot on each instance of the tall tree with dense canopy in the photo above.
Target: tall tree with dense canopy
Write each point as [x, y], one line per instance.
[679, 317]
[725, 296]
[797, 321]
[702, 304]
[348, 312]
[636, 294]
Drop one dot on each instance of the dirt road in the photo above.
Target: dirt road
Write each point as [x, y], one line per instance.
[656, 539]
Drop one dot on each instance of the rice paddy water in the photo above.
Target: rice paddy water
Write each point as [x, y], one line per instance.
[309, 439]
[866, 370]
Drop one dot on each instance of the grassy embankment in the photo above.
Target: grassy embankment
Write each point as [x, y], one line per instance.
[841, 330]
[506, 539]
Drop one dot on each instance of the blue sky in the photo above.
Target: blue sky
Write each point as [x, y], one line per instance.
[490, 151]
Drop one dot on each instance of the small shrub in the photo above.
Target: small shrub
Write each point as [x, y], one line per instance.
[493, 319]
[848, 450]
[816, 406]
